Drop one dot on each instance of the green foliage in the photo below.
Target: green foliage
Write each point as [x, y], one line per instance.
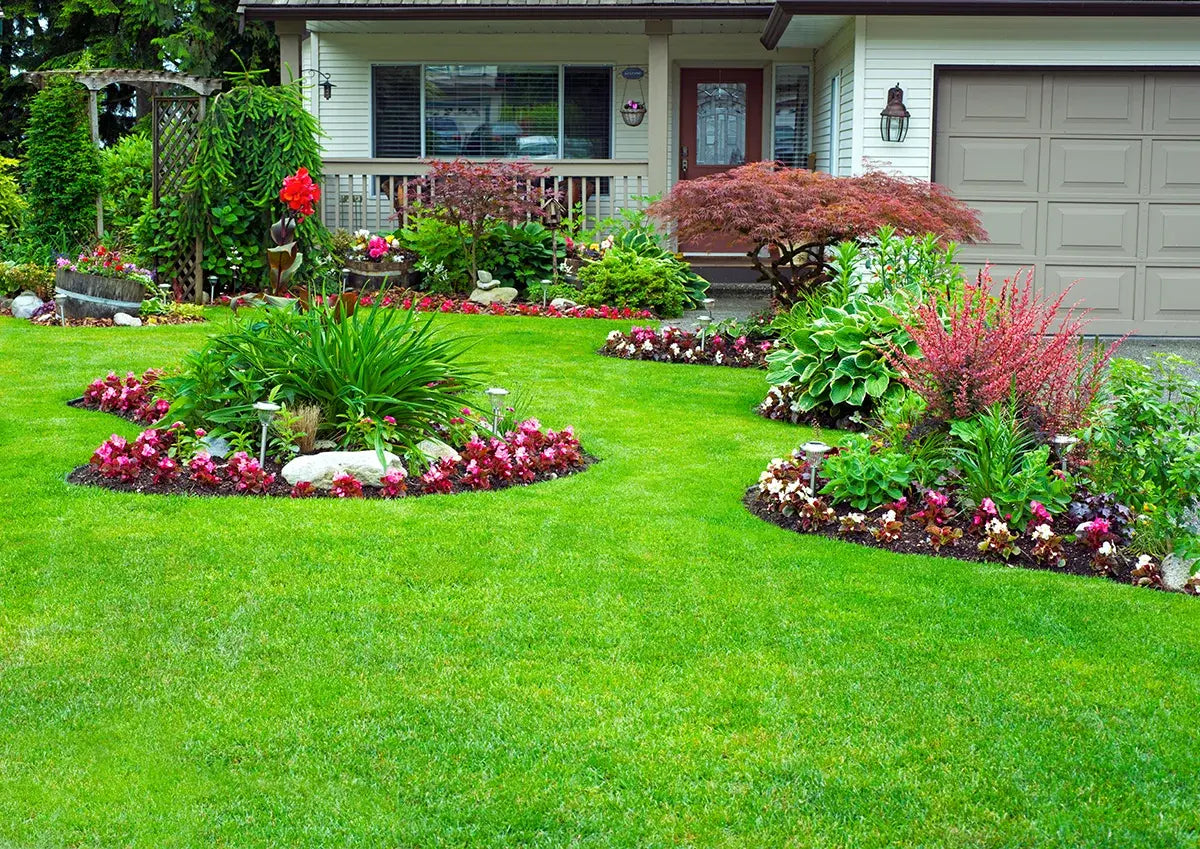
[864, 477]
[1144, 440]
[899, 421]
[16, 278]
[62, 165]
[12, 205]
[377, 362]
[633, 230]
[838, 362]
[521, 255]
[998, 458]
[253, 136]
[625, 278]
[437, 243]
[127, 171]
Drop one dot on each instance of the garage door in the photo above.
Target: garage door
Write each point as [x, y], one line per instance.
[1083, 176]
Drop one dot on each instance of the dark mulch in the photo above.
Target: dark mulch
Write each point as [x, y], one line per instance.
[815, 418]
[914, 540]
[51, 320]
[90, 476]
[128, 415]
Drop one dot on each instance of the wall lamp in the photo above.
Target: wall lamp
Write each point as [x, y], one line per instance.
[893, 120]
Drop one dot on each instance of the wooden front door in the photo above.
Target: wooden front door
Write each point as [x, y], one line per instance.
[720, 127]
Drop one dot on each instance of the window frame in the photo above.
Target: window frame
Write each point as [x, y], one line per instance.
[808, 120]
[561, 69]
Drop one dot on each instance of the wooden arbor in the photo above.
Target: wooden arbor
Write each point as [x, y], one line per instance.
[178, 103]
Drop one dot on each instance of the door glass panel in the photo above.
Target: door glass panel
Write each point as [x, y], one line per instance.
[720, 123]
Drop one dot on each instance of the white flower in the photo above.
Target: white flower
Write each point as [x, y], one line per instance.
[995, 526]
[1144, 561]
[1106, 549]
[888, 517]
[857, 518]
[614, 336]
[718, 359]
[775, 486]
[362, 234]
[1042, 532]
[647, 345]
[674, 349]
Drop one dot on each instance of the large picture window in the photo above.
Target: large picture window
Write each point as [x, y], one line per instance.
[493, 111]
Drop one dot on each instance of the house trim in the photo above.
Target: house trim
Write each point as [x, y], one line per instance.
[571, 11]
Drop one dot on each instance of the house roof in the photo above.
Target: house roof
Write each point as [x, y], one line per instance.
[499, 9]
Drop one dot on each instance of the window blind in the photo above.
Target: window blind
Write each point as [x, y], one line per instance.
[791, 116]
[396, 93]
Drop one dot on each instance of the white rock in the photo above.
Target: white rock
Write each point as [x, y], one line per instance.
[1176, 571]
[321, 469]
[563, 304]
[502, 294]
[434, 449]
[486, 281]
[24, 304]
[124, 319]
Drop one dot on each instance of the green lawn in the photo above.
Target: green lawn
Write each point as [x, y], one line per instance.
[624, 657]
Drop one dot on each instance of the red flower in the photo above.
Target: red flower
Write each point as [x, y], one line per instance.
[299, 192]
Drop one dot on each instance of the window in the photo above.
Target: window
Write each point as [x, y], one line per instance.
[791, 115]
[835, 122]
[493, 111]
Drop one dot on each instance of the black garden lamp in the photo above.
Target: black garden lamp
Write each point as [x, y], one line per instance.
[893, 120]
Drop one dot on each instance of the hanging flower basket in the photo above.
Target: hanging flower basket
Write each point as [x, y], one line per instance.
[633, 112]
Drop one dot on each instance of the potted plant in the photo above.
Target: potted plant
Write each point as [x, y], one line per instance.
[633, 112]
[377, 259]
[100, 284]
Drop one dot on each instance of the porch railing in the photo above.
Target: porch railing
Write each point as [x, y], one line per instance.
[373, 194]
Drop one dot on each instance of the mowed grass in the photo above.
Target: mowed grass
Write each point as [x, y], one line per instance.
[625, 657]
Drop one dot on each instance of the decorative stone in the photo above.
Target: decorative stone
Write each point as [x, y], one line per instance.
[124, 319]
[24, 305]
[1176, 571]
[486, 281]
[434, 449]
[321, 469]
[501, 294]
[216, 446]
[6, 304]
[563, 304]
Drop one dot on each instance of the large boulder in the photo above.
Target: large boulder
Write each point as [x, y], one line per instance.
[321, 469]
[24, 305]
[435, 449]
[501, 294]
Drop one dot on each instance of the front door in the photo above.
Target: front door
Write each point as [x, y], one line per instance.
[720, 127]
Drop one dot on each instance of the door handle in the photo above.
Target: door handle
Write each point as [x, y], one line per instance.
[683, 167]
[683, 162]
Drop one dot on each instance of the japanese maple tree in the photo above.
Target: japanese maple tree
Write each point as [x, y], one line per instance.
[794, 216]
[470, 196]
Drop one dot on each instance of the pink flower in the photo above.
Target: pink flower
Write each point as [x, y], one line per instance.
[377, 246]
[389, 420]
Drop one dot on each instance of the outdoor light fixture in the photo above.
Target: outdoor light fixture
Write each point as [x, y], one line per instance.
[545, 291]
[893, 120]
[553, 211]
[345, 279]
[704, 321]
[266, 411]
[1063, 443]
[496, 395]
[814, 453]
[708, 304]
[212, 288]
[327, 86]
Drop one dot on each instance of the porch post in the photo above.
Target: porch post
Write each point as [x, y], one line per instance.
[658, 108]
[290, 34]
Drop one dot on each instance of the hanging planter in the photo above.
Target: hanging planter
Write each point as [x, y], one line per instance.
[633, 112]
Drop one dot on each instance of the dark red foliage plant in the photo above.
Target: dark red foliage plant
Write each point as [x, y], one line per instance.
[976, 349]
[469, 195]
[796, 215]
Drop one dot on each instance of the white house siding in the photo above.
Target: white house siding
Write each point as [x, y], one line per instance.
[906, 50]
[831, 59]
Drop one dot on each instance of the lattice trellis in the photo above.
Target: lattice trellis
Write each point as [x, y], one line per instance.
[176, 130]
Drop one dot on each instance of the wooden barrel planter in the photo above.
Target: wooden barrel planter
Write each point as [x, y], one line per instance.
[82, 295]
[376, 275]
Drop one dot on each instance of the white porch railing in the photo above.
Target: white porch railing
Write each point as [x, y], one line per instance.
[373, 194]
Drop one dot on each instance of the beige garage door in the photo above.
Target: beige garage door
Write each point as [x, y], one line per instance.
[1083, 176]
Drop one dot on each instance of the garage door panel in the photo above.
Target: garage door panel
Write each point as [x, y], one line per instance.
[993, 165]
[1173, 294]
[1011, 226]
[997, 272]
[1175, 167]
[1176, 104]
[1097, 104]
[1095, 166]
[1091, 229]
[1110, 292]
[989, 102]
[1174, 231]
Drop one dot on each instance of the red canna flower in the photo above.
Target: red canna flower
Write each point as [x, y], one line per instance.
[299, 192]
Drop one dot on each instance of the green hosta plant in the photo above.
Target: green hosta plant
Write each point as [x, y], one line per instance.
[863, 477]
[838, 363]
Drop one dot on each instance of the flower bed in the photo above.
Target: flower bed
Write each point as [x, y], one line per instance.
[172, 461]
[444, 304]
[47, 316]
[130, 397]
[672, 345]
[1090, 538]
[779, 406]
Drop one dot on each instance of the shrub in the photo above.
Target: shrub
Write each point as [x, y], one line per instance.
[12, 205]
[15, 279]
[520, 255]
[441, 259]
[128, 174]
[974, 350]
[787, 218]
[864, 477]
[62, 166]
[625, 278]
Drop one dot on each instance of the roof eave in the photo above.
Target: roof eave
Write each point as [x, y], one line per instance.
[433, 12]
[1078, 8]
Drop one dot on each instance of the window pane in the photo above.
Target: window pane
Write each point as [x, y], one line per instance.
[587, 112]
[397, 96]
[791, 115]
[720, 123]
[491, 110]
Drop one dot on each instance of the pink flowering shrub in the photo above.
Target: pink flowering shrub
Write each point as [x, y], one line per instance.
[303, 489]
[203, 470]
[247, 474]
[521, 456]
[672, 345]
[129, 396]
[394, 484]
[936, 510]
[346, 485]
[461, 306]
